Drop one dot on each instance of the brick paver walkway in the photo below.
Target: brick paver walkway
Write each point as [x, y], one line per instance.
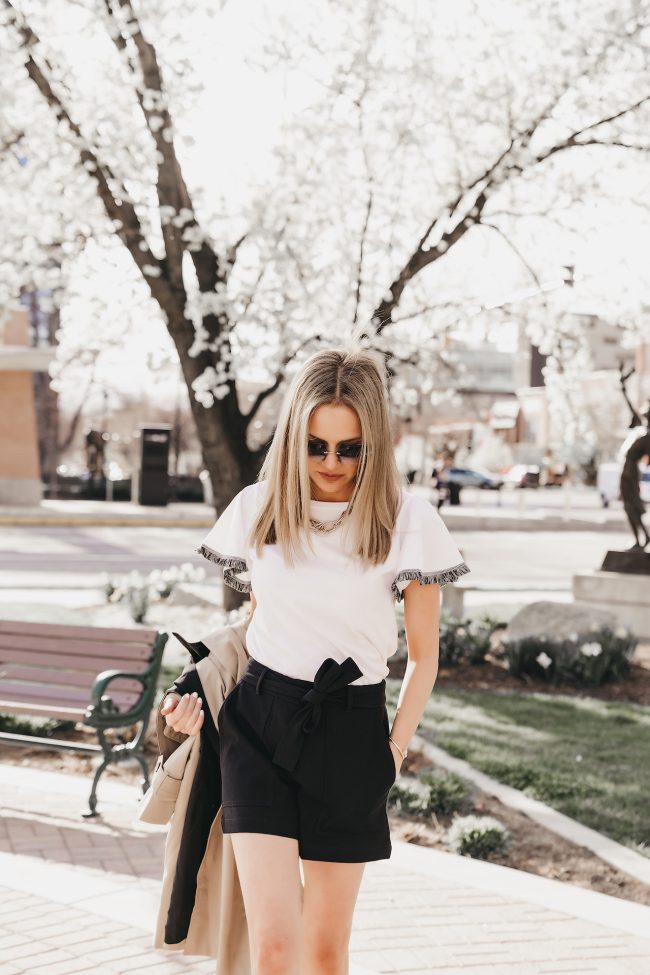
[79, 896]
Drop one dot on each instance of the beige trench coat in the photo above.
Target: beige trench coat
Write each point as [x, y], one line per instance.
[218, 924]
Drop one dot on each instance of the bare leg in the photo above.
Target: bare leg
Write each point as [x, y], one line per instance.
[269, 874]
[331, 891]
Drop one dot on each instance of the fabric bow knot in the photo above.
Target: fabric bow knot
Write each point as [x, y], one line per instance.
[331, 677]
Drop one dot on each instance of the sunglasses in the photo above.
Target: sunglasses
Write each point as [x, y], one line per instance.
[345, 452]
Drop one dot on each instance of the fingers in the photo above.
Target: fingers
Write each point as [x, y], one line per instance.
[186, 715]
[198, 724]
[170, 703]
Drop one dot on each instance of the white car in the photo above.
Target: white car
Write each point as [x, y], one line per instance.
[608, 482]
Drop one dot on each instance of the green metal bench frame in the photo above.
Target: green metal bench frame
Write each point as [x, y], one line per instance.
[103, 715]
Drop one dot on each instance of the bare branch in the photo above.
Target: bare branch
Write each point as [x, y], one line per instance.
[515, 250]
[14, 140]
[279, 378]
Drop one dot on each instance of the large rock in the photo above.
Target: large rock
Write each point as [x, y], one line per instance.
[557, 620]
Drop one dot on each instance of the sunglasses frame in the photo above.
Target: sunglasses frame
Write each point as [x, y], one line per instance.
[342, 457]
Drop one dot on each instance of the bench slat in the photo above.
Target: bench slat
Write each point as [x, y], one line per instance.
[65, 678]
[67, 696]
[124, 635]
[11, 647]
[90, 665]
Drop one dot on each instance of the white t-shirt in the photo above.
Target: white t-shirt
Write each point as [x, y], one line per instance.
[327, 604]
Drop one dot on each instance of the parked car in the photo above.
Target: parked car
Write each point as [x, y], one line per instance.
[522, 475]
[608, 483]
[473, 477]
[608, 478]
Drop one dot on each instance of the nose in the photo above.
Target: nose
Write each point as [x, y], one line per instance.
[331, 462]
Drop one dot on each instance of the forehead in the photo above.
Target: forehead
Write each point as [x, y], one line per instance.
[334, 423]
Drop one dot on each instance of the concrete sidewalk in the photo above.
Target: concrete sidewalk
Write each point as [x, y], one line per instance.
[80, 896]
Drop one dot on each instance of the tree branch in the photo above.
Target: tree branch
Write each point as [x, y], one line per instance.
[123, 212]
[279, 378]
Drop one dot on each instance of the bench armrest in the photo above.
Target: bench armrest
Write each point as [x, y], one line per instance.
[102, 711]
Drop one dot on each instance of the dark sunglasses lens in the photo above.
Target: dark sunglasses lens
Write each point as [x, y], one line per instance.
[315, 449]
[350, 451]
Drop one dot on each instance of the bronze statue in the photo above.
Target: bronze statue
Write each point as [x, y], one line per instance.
[629, 486]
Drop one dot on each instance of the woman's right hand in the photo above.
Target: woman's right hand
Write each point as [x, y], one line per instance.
[183, 714]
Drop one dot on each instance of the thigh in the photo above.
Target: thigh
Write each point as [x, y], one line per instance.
[329, 900]
[269, 875]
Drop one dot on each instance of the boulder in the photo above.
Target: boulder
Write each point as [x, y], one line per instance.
[557, 620]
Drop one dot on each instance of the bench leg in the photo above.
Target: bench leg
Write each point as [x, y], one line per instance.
[145, 771]
[92, 798]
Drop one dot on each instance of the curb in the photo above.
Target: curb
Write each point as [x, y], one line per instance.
[614, 853]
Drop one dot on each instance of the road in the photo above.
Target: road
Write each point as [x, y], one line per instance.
[58, 558]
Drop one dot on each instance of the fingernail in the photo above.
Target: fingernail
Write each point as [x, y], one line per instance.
[194, 694]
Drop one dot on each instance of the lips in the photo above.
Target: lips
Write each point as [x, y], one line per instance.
[331, 477]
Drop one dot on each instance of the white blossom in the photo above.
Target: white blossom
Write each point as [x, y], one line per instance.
[591, 649]
[544, 660]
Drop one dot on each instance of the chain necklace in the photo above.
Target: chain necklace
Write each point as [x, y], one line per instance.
[327, 526]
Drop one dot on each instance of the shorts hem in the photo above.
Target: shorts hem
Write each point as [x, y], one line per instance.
[347, 856]
[243, 824]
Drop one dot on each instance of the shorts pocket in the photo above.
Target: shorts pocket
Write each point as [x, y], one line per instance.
[392, 767]
[247, 772]
[359, 771]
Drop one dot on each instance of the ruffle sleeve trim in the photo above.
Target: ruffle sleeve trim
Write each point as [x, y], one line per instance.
[442, 577]
[231, 564]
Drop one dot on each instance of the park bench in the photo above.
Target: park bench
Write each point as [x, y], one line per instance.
[104, 678]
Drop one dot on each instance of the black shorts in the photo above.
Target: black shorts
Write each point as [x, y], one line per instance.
[308, 759]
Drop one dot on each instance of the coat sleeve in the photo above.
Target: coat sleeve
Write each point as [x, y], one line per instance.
[227, 544]
[427, 551]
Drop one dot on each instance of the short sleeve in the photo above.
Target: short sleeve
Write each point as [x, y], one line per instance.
[426, 550]
[226, 542]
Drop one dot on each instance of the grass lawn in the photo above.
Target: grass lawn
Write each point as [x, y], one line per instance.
[587, 758]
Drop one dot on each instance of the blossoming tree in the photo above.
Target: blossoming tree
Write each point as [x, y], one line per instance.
[432, 148]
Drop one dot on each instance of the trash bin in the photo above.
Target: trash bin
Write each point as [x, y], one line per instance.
[155, 441]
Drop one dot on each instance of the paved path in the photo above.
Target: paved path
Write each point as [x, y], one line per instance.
[79, 896]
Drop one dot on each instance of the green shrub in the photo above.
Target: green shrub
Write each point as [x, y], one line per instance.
[430, 793]
[583, 660]
[477, 836]
[461, 641]
[139, 591]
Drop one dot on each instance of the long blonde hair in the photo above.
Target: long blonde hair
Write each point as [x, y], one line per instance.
[357, 379]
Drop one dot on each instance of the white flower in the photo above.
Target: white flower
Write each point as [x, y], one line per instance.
[622, 632]
[591, 649]
[573, 637]
[461, 631]
[544, 660]
[578, 758]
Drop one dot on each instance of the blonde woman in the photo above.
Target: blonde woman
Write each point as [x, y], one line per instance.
[324, 541]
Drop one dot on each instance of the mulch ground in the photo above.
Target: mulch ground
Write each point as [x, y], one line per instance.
[532, 847]
[493, 676]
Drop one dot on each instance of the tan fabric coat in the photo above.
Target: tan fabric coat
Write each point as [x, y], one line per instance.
[218, 925]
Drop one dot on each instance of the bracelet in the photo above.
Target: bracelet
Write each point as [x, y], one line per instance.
[402, 753]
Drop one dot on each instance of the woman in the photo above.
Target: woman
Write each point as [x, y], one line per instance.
[331, 538]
